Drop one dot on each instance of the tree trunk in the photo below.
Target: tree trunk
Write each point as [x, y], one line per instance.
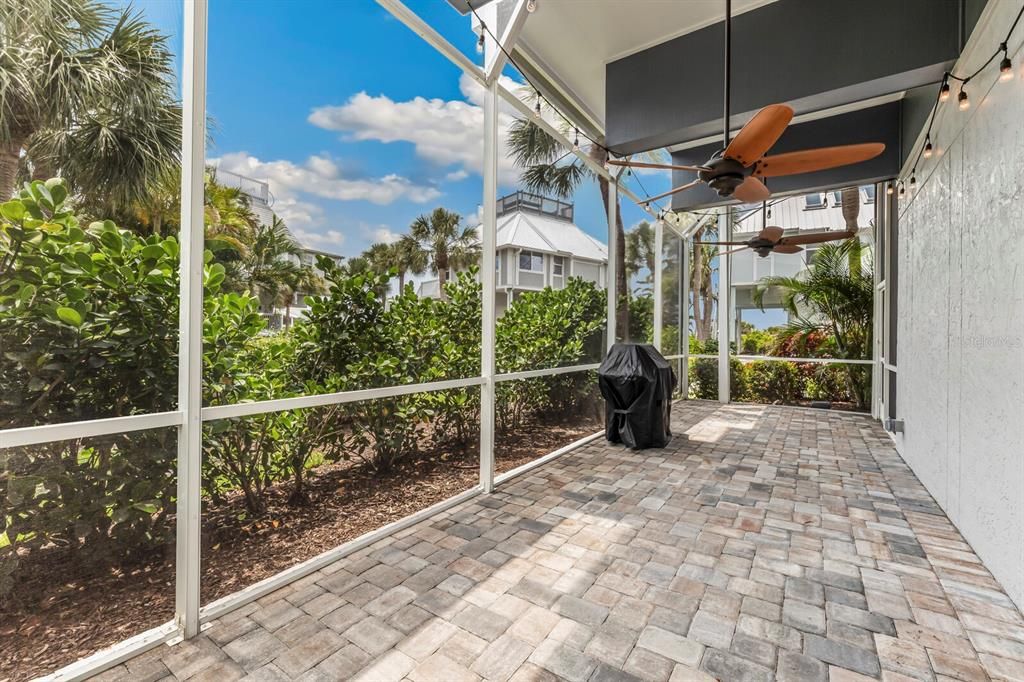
[401, 282]
[42, 170]
[157, 224]
[442, 274]
[10, 155]
[621, 308]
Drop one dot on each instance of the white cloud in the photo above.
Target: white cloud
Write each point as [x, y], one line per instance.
[384, 234]
[457, 175]
[443, 132]
[319, 176]
[330, 240]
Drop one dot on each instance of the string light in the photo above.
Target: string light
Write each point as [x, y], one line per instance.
[531, 6]
[1005, 66]
[576, 141]
[536, 108]
[962, 102]
[480, 41]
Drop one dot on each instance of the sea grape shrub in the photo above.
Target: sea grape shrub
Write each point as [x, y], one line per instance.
[88, 329]
[88, 315]
[546, 329]
[772, 381]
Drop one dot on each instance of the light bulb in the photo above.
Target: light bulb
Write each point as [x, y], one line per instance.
[962, 101]
[576, 142]
[913, 183]
[531, 6]
[944, 92]
[536, 108]
[480, 43]
[928, 148]
[903, 190]
[1005, 69]
[889, 190]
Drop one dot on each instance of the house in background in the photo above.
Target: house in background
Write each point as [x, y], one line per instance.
[815, 212]
[538, 246]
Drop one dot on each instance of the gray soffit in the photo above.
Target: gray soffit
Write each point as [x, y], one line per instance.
[875, 124]
[811, 54]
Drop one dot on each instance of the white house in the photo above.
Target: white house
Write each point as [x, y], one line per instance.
[815, 212]
[538, 246]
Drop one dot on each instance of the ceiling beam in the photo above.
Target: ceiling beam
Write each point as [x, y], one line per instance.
[507, 41]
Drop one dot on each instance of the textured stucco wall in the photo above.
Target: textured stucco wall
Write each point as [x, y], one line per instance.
[961, 327]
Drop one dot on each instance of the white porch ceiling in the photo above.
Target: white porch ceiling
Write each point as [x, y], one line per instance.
[571, 41]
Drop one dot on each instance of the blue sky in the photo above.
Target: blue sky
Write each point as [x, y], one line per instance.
[357, 123]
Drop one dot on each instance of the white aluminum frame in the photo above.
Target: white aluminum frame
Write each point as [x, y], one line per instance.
[724, 304]
[190, 305]
[190, 415]
[659, 295]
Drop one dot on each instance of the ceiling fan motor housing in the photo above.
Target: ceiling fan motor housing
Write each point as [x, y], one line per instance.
[723, 175]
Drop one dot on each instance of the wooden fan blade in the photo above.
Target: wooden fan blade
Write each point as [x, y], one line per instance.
[674, 190]
[760, 133]
[662, 166]
[752, 191]
[815, 238]
[771, 233]
[787, 248]
[810, 160]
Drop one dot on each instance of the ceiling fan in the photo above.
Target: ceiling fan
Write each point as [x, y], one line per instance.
[771, 239]
[738, 168]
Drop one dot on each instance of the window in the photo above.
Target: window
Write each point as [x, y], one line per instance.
[838, 197]
[559, 266]
[813, 202]
[528, 260]
[869, 194]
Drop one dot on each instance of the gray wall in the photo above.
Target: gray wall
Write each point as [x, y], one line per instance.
[960, 375]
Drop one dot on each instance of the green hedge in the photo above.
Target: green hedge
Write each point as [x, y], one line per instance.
[89, 329]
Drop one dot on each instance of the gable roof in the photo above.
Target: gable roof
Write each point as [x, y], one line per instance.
[539, 232]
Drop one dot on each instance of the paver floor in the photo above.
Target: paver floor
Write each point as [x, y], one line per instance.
[762, 543]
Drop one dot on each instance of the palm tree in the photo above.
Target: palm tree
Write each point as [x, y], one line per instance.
[834, 297]
[410, 257]
[640, 251]
[269, 272]
[447, 244]
[702, 290]
[86, 92]
[230, 222]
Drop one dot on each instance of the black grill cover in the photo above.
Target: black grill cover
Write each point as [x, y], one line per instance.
[637, 385]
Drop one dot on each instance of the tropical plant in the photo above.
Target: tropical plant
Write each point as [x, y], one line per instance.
[229, 219]
[269, 269]
[86, 92]
[833, 297]
[447, 243]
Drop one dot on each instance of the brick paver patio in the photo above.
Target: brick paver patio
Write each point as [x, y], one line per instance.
[763, 543]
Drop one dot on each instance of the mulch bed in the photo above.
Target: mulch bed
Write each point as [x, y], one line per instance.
[62, 611]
